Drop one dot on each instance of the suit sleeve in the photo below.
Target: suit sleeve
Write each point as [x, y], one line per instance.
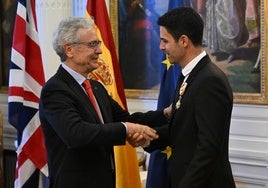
[150, 118]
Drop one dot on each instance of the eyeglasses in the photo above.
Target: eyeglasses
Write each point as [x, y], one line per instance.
[92, 44]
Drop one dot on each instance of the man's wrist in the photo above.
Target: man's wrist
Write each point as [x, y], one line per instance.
[125, 127]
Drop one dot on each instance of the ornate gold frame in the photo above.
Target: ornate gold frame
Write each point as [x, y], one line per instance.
[243, 98]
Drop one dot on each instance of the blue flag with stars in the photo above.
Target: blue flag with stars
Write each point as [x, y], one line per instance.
[169, 78]
[158, 170]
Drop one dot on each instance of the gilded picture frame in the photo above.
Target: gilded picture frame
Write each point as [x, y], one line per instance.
[244, 97]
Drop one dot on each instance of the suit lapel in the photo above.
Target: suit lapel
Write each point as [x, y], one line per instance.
[77, 89]
[205, 60]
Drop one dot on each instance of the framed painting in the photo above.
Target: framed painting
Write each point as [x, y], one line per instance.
[234, 37]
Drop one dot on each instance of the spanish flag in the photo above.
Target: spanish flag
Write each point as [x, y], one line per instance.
[127, 170]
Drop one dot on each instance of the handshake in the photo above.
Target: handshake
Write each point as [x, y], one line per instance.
[139, 135]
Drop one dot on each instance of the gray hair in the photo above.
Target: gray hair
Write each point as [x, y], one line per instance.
[66, 32]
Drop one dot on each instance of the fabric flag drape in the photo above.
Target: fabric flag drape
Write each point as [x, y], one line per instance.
[26, 78]
[127, 170]
[158, 170]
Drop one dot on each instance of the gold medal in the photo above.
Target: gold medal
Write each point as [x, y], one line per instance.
[182, 90]
[178, 103]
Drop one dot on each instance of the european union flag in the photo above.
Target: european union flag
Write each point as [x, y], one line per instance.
[169, 78]
[158, 170]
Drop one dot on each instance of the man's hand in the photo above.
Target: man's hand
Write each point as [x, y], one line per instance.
[138, 134]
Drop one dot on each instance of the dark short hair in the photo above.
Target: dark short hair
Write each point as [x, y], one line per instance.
[183, 21]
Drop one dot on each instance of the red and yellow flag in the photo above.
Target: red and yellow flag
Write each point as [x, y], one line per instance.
[127, 170]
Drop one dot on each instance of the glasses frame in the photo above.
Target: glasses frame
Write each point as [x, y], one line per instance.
[92, 44]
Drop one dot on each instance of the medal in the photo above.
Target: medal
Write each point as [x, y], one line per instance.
[182, 88]
[181, 92]
[178, 103]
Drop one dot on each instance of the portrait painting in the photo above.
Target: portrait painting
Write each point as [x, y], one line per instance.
[140, 56]
[234, 38]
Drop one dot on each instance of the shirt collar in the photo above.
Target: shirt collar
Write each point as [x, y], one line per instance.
[78, 77]
[190, 66]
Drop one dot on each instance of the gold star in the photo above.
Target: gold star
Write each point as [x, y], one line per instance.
[167, 62]
[167, 151]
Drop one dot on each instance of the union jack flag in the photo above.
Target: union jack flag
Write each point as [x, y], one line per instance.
[25, 82]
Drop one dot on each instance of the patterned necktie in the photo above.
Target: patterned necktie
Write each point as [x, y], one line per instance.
[87, 86]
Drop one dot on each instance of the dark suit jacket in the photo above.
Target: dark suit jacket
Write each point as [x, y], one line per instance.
[199, 131]
[79, 148]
